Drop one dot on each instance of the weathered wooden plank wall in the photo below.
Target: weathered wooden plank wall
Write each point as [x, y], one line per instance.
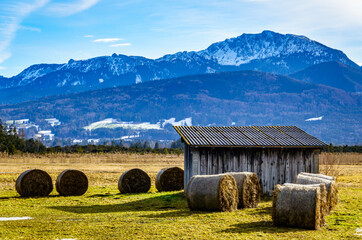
[273, 166]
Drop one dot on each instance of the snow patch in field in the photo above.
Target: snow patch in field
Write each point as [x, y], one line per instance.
[314, 119]
[172, 121]
[14, 218]
[113, 123]
[130, 136]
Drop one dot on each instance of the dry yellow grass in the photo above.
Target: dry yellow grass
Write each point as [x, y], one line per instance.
[101, 169]
[104, 213]
[340, 158]
[105, 169]
[342, 166]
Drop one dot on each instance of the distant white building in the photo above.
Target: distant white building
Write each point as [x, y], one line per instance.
[53, 121]
[22, 121]
[93, 141]
[45, 135]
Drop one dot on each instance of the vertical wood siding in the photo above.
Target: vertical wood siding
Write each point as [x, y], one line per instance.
[273, 166]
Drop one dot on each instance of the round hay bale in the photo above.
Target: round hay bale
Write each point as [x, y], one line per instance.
[212, 193]
[297, 206]
[248, 188]
[170, 179]
[34, 183]
[324, 210]
[318, 176]
[134, 181]
[71, 183]
[331, 185]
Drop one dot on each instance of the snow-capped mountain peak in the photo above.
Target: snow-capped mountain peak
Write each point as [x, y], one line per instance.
[268, 44]
[267, 51]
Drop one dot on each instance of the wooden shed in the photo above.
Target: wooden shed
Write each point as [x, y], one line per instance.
[275, 153]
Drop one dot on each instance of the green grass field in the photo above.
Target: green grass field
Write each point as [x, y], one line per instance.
[103, 213]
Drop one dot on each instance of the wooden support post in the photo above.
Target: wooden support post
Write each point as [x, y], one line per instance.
[316, 161]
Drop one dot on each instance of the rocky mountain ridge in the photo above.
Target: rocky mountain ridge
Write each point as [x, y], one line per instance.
[267, 51]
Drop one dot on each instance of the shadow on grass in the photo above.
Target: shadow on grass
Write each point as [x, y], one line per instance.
[262, 226]
[174, 214]
[20, 197]
[265, 198]
[259, 210]
[158, 203]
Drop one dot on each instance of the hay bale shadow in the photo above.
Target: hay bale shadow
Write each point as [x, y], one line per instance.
[175, 214]
[35, 197]
[158, 203]
[262, 226]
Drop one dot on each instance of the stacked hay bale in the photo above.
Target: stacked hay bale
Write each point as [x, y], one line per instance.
[212, 193]
[296, 205]
[72, 183]
[318, 176]
[332, 190]
[134, 181]
[248, 188]
[34, 183]
[170, 179]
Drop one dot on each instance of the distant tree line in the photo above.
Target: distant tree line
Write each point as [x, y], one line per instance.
[343, 149]
[134, 148]
[12, 141]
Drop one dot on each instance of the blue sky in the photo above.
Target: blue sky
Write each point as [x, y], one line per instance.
[54, 31]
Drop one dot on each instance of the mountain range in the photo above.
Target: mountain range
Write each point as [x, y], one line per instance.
[268, 51]
[245, 98]
[254, 79]
[333, 74]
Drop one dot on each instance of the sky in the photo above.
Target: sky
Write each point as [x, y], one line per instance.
[54, 31]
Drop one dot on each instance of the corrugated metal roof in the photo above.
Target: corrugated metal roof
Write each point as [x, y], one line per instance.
[253, 136]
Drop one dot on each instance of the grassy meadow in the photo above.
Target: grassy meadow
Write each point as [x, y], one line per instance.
[103, 213]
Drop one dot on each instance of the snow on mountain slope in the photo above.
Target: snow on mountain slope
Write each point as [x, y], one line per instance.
[267, 51]
[249, 47]
[112, 123]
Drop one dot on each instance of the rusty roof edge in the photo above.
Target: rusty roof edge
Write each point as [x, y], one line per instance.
[182, 136]
[257, 146]
[177, 128]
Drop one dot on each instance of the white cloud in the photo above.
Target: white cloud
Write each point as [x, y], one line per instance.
[34, 29]
[4, 55]
[120, 45]
[66, 9]
[2, 68]
[12, 14]
[107, 40]
[88, 36]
